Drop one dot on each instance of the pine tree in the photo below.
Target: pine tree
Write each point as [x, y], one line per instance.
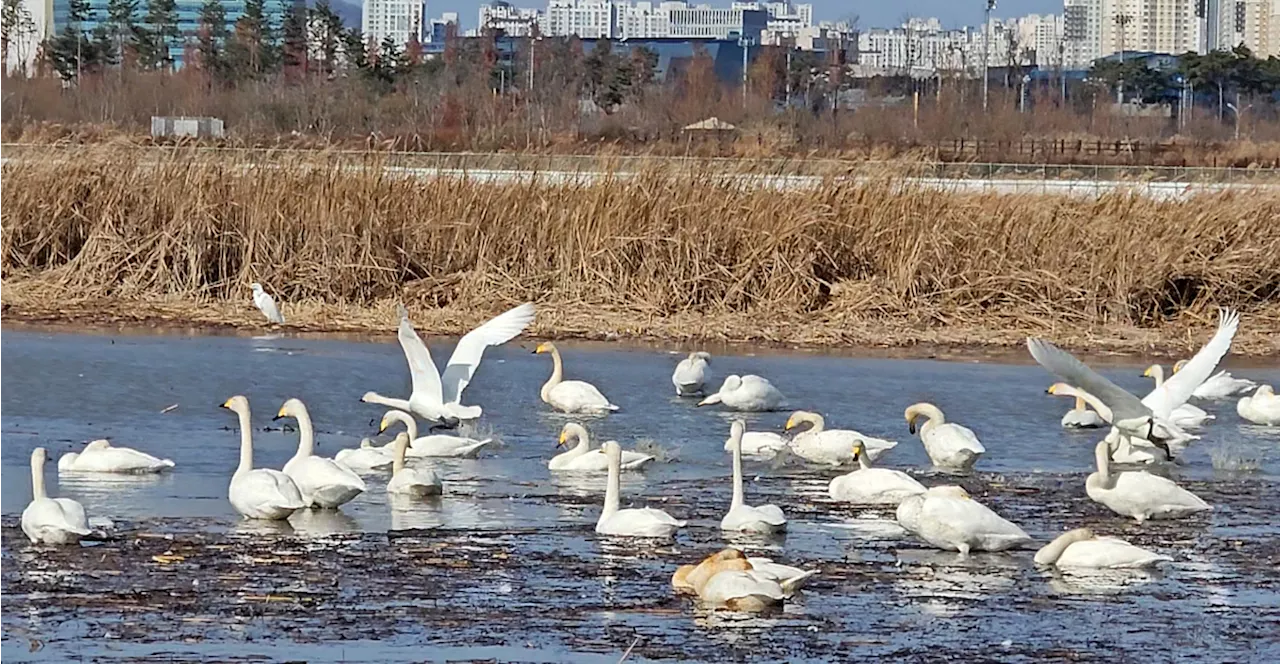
[160, 35]
[122, 28]
[71, 52]
[211, 39]
[294, 56]
[253, 52]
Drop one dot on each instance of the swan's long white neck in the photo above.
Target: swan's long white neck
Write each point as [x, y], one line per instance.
[863, 462]
[737, 471]
[584, 444]
[557, 373]
[819, 423]
[307, 434]
[37, 477]
[1080, 405]
[1102, 454]
[1157, 374]
[1097, 404]
[410, 424]
[612, 488]
[1051, 552]
[397, 464]
[933, 416]
[398, 404]
[246, 443]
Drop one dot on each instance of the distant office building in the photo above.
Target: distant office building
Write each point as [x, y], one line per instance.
[401, 20]
[513, 21]
[442, 27]
[587, 19]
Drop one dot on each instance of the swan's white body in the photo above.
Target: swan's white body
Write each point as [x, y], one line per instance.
[415, 482]
[570, 396]
[101, 457]
[1261, 408]
[690, 374]
[260, 493]
[367, 458]
[1137, 493]
[833, 447]
[946, 517]
[267, 305]
[765, 444]
[582, 457]
[731, 580]
[645, 522]
[324, 483]
[1081, 548]
[1219, 386]
[1123, 449]
[1183, 415]
[749, 393]
[873, 486]
[1081, 417]
[435, 445]
[741, 516]
[437, 397]
[51, 520]
[949, 445]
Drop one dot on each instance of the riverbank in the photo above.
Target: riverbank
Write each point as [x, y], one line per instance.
[98, 235]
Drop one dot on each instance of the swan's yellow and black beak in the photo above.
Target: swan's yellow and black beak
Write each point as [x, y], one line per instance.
[911, 423]
[857, 449]
[563, 437]
[1146, 373]
[280, 415]
[226, 404]
[542, 348]
[791, 423]
[382, 426]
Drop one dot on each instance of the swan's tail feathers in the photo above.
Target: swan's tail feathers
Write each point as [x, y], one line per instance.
[167, 463]
[790, 586]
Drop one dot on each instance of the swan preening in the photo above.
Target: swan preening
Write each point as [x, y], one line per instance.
[946, 517]
[260, 493]
[416, 482]
[831, 446]
[749, 393]
[433, 445]
[1263, 407]
[582, 457]
[51, 520]
[436, 397]
[741, 516]
[266, 304]
[570, 396]
[100, 456]
[1082, 548]
[324, 483]
[873, 486]
[949, 445]
[1137, 493]
[729, 579]
[643, 522]
[691, 373]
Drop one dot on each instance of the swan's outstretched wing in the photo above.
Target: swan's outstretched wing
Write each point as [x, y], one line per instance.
[426, 380]
[1064, 365]
[1179, 388]
[470, 350]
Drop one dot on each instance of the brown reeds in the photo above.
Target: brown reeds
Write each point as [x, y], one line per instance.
[677, 254]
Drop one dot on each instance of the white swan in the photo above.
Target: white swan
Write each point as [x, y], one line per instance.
[1148, 418]
[367, 458]
[437, 397]
[266, 304]
[729, 579]
[1081, 548]
[741, 516]
[873, 486]
[749, 393]
[643, 522]
[1219, 386]
[946, 517]
[260, 493]
[1137, 493]
[438, 445]
[415, 482]
[948, 445]
[1185, 415]
[691, 373]
[570, 396]
[323, 482]
[763, 444]
[100, 457]
[582, 457]
[1123, 449]
[1126, 448]
[51, 520]
[688, 578]
[831, 446]
[1081, 417]
[1261, 408]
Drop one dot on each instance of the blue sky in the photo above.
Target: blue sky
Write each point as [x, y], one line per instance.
[870, 13]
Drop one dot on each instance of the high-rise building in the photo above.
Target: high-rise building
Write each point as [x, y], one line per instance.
[51, 17]
[1253, 23]
[401, 20]
[588, 19]
[513, 21]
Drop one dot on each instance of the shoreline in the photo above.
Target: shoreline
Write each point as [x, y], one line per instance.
[721, 334]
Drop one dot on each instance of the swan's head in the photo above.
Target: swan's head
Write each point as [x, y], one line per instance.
[67, 461]
[680, 580]
[257, 287]
[858, 448]
[737, 429]
[370, 397]
[237, 404]
[1264, 391]
[393, 416]
[801, 417]
[1150, 371]
[100, 444]
[701, 355]
[292, 408]
[38, 456]
[613, 450]
[401, 443]
[917, 410]
[571, 431]
[1177, 366]
[1062, 390]
[544, 347]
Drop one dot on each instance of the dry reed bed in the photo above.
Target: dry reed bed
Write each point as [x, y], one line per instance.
[670, 255]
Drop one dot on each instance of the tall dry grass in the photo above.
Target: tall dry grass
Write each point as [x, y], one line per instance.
[661, 253]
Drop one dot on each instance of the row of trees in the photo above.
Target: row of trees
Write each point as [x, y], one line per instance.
[1236, 71]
